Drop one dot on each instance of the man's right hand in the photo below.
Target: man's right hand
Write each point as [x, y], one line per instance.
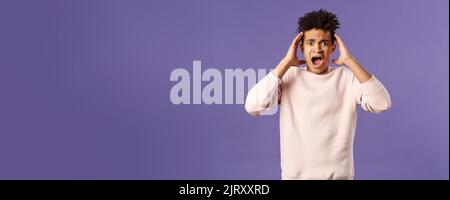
[290, 59]
[291, 55]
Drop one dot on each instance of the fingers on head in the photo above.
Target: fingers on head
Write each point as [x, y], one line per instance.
[338, 39]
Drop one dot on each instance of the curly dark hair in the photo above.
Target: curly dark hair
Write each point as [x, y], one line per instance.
[321, 19]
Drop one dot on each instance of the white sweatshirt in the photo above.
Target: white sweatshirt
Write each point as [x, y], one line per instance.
[317, 118]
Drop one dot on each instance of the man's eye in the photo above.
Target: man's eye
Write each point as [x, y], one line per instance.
[325, 43]
[309, 43]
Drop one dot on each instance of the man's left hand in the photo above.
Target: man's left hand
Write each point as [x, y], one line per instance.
[344, 53]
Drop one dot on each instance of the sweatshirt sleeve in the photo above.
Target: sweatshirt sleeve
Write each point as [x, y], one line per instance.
[372, 95]
[264, 95]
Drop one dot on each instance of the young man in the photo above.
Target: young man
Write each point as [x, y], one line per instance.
[318, 103]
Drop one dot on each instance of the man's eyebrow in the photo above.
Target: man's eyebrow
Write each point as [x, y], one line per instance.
[315, 40]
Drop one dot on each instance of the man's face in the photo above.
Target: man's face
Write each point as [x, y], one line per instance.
[317, 49]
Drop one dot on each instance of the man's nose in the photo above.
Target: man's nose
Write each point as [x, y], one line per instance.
[317, 48]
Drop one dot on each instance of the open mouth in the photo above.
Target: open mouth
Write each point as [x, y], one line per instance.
[317, 60]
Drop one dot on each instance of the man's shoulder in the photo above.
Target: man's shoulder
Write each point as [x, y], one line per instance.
[344, 71]
[345, 74]
[290, 73]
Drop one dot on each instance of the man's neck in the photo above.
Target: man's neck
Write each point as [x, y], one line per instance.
[324, 70]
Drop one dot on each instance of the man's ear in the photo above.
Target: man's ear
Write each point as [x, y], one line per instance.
[301, 47]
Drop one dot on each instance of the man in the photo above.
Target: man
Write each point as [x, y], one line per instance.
[318, 103]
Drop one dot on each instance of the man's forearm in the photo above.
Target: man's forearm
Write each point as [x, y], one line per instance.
[358, 70]
[281, 68]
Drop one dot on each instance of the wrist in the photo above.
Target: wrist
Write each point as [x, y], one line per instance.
[286, 63]
[282, 67]
[350, 60]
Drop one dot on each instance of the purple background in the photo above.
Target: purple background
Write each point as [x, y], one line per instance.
[85, 87]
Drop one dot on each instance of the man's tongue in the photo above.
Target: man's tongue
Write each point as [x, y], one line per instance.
[317, 61]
